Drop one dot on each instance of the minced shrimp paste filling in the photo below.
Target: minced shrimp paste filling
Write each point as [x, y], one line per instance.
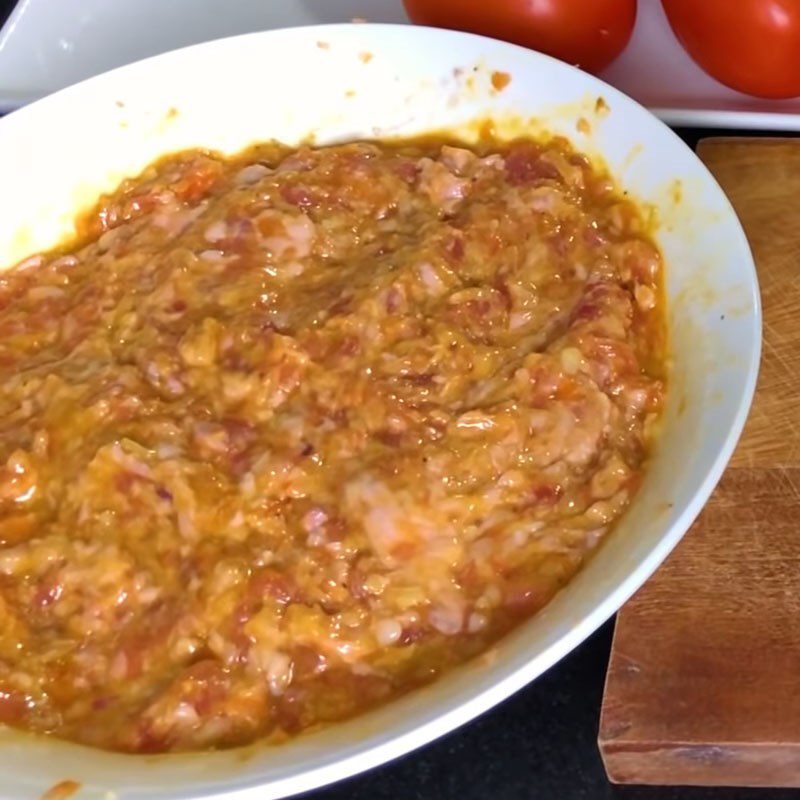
[285, 435]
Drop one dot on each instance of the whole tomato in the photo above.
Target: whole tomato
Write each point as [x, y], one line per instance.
[749, 45]
[589, 33]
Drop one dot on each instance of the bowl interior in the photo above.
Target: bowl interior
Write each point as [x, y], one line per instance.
[334, 83]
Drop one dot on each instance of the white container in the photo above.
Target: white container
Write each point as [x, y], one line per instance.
[58, 154]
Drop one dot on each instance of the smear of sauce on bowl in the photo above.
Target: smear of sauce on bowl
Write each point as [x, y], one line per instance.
[63, 790]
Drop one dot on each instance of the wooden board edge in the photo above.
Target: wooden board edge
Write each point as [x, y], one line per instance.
[751, 765]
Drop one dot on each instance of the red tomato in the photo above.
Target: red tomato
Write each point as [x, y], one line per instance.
[589, 33]
[749, 45]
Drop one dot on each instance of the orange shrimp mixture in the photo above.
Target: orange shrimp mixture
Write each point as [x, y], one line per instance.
[286, 435]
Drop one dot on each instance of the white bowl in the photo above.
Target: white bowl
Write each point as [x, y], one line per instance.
[59, 153]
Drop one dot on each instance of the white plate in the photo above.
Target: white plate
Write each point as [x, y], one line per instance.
[61, 152]
[48, 44]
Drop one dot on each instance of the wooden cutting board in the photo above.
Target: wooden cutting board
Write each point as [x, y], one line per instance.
[703, 685]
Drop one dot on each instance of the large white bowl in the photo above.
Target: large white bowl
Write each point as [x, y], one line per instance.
[347, 81]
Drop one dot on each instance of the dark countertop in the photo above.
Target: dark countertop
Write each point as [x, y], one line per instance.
[540, 744]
